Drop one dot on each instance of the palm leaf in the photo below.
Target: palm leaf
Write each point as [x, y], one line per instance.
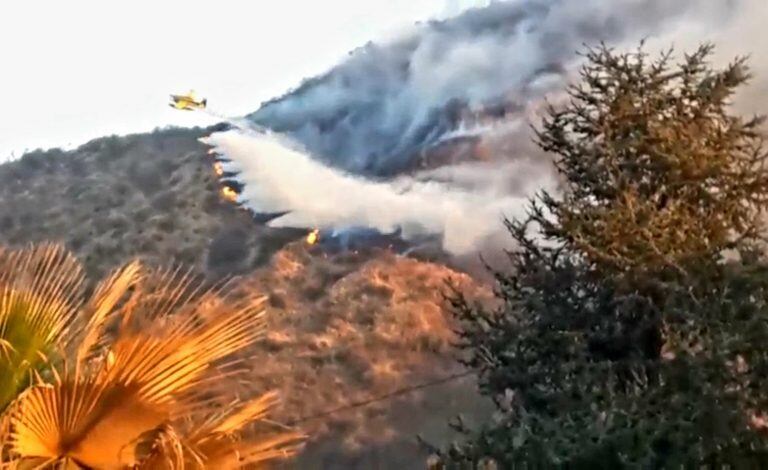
[128, 387]
[97, 413]
[81, 421]
[40, 290]
[101, 307]
[222, 441]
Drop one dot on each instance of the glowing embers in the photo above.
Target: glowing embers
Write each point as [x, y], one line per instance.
[229, 189]
[313, 237]
[228, 193]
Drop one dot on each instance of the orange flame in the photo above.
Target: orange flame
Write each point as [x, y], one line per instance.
[228, 193]
[313, 237]
[218, 169]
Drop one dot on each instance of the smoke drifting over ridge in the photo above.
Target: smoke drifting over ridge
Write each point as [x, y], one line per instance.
[376, 111]
[485, 74]
[282, 178]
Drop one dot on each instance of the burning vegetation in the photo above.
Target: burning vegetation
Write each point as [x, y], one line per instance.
[313, 237]
[228, 193]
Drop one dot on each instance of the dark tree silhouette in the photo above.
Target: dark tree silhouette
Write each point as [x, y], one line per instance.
[633, 323]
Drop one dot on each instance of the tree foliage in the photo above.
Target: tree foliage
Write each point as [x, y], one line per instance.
[656, 169]
[626, 338]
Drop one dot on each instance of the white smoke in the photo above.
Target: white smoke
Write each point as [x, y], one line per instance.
[740, 30]
[280, 177]
[371, 114]
[375, 112]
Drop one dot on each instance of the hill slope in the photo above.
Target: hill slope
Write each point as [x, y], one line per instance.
[345, 327]
[154, 196]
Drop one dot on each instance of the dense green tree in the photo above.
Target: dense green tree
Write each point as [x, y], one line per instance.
[633, 322]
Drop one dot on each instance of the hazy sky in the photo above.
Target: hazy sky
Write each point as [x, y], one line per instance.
[78, 69]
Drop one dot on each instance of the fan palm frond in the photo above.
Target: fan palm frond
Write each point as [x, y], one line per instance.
[40, 290]
[225, 439]
[136, 360]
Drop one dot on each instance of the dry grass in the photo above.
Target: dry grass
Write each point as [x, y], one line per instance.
[343, 328]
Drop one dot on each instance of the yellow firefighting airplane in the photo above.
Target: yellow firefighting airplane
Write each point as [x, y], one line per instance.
[188, 102]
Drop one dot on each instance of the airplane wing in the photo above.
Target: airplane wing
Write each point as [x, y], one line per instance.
[187, 102]
[181, 105]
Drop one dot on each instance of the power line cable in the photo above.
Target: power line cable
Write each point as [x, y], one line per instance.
[380, 398]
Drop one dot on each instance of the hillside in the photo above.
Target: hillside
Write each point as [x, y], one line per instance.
[344, 326]
[352, 326]
[154, 196]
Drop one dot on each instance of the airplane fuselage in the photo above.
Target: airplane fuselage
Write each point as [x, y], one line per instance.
[186, 103]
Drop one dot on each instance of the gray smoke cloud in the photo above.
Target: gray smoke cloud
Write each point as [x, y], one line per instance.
[376, 112]
[459, 94]
[737, 28]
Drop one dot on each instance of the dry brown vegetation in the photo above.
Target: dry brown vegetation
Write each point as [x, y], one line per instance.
[346, 328]
[341, 328]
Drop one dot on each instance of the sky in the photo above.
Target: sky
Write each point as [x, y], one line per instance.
[79, 69]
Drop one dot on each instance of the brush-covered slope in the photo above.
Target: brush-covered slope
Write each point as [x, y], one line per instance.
[153, 196]
[350, 327]
[345, 327]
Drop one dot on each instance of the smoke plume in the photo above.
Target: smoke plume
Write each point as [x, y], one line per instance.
[430, 133]
[282, 178]
[376, 111]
